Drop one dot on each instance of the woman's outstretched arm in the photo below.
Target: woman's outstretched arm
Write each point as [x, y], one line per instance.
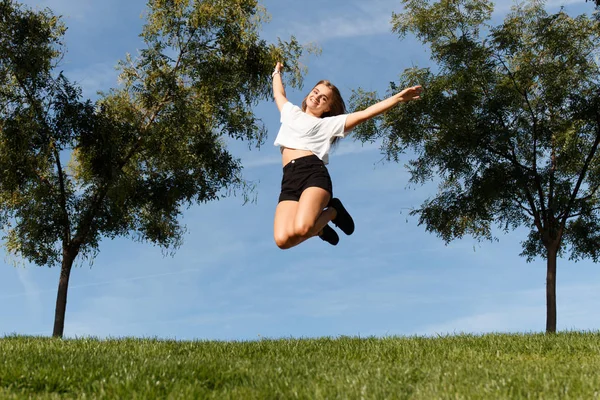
[278, 89]
[412, 93]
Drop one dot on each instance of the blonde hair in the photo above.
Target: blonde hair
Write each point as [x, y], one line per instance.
[336, 104]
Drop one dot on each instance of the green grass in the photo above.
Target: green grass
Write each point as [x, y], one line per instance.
[566, 365]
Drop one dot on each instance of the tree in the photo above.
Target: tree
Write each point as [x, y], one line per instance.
[509, 124]
[144, 150]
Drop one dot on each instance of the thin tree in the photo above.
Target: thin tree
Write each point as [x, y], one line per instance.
[509, 125]
[144, 150]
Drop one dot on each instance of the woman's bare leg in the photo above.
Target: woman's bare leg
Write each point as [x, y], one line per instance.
[297, 221]
[310, 217]
[283, 227]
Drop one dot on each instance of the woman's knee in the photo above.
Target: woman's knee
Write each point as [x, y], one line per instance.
[282, 240]
[303, 228]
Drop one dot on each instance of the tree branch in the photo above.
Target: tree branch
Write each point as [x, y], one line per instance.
[46, 134]
[590, 194]
[63, 200]
[100, 195]
[552, 175]
[580, 213]
[520, 168]
[583, 172]
[535, 132]
[43, 180]
[527, 210]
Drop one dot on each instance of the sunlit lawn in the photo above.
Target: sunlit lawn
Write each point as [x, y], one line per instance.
[566, 365]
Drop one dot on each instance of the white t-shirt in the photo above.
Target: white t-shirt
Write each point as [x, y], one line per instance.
[304, 132]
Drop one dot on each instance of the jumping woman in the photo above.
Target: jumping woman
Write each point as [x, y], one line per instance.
[306, 203]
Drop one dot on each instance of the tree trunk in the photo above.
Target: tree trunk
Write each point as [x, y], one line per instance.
[551, 289]
[61, 297]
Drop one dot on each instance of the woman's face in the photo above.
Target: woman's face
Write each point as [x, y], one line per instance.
[318, 100]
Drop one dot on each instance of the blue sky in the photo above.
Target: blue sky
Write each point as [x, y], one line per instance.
[230, 282]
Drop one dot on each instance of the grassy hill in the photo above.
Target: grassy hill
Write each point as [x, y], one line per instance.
[565, 365]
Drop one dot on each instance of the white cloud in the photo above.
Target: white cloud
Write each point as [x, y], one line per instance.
[347, 148]
[78, 10]
[525, 311]
[31, 292]
[342, 27]
[350, 147]
[254, 162]
[503, 7]
[336, 20]
[94, 78]
[515, 319]
[560, 3]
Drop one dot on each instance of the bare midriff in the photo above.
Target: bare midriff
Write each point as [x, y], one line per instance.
[288, 154]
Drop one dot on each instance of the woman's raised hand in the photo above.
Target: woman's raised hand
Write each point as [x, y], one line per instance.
[278, 67]
[411, 93]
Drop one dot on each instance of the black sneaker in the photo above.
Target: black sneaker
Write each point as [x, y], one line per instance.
[343, 220]
[329, 235]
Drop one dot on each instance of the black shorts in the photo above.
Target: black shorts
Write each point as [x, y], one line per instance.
[302, 173]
